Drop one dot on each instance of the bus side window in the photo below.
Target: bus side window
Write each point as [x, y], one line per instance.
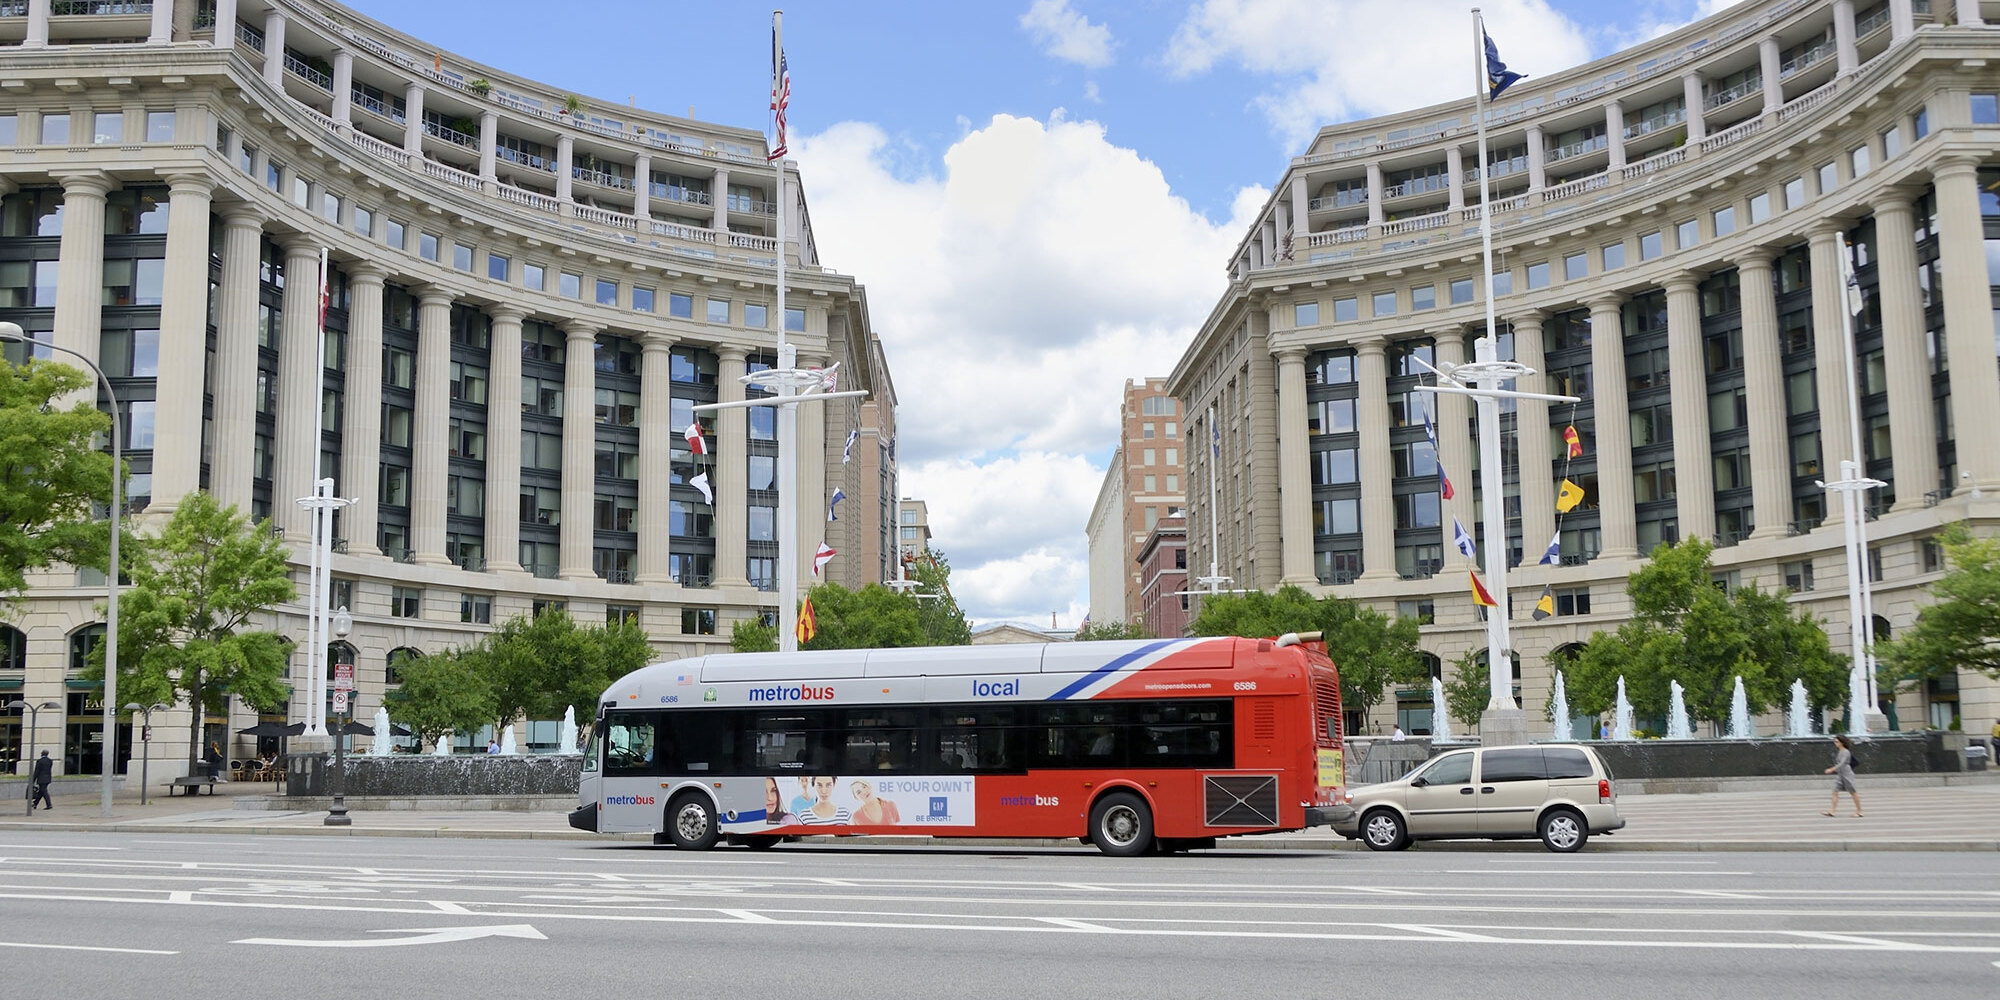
[630, 746]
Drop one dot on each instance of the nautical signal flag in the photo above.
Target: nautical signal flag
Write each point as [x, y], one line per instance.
[1554, 553]
[1463, 539]
[833, 504]
[1574, 440]
[1480, 596]
[1444, 481]
[1498, 77]
[1568, 495]
[807, 627]
[847, 450]
[694, 438]
[1545, 605]
[822, 557]
[700, 482]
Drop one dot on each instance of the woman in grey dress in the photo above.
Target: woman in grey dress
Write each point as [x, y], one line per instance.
[1843, 776]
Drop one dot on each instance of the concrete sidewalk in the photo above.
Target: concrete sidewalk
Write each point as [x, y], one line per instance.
[1954, 817]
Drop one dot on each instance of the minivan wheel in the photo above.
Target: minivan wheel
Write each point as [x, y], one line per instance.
[691, 822]
[1121, 825]
[1383, 830]
[1563, 831]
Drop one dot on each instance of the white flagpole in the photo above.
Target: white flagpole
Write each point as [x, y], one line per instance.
[1499, 661]
[788, 415]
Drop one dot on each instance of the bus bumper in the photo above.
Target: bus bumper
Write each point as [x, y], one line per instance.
[584, 817]
[1329, 815]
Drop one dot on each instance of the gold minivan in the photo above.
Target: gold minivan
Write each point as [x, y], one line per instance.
[1559, 792]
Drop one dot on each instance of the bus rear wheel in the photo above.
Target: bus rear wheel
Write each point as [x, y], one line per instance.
[1121, 825]
[691, 822]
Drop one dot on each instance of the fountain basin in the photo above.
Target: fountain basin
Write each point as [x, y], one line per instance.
[425, 775]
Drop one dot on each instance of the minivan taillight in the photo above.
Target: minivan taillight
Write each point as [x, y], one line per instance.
[1603, 790]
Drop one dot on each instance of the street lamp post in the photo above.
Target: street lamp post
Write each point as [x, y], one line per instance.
[146, 737]
[13, 332]
[34, 721]
[337, 815]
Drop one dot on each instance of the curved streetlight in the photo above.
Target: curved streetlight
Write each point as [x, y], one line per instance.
[13, 332]
[145, 736]
[34, 723]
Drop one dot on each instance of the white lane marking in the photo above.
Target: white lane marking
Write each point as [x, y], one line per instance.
[1444, 932]
[1080, 925]
[54, 847]
[747, 917]
[1591, 871]
[1857, 939]
[82, 947]
[1719, 894]
[690, 861]
[440, 935]
[1082, 886]
[447, 906]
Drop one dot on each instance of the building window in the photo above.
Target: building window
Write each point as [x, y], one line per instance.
[1688, 234]
[394, 234]
[1892, 142]
[541, 606]
[1576, 266]
[406, 602]
[1986, 109]
[1795, 193]
[680, 305]
[427, 246]
[475, 608]
[1424, 611]
[1346, 310]
[569, 286]
[1574, 601]
[1799, 575]
[107, 127]
[1920, 123]
[159, 126]
[642, 299]
[496, 266]
[697, 621]
[1933, 554]
[1829, 177]
[1651, 245]
[1384, 304]
[621, 614]
[1724, 223]
[756, 317]
[1461, 291]
[364, 221]
[1503, 283]
[1305, 314]
[795, 320]
[1760, 207]
[718, 310]
[1423, 297]
[1538, 275]
[607, 292]
[1858, 162]
[1614, 256]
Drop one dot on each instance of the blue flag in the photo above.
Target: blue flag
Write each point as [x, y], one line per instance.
[838, 496]
[847, 450]
[1554, 554]
[1463, 539]
[1498, 76]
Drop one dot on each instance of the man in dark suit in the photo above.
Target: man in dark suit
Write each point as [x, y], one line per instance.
[45, 772]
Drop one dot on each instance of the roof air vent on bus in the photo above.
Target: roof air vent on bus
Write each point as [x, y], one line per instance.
[1294, 638]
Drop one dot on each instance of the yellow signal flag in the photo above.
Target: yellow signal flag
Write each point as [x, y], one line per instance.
[1545, 606]
[1480, 595]
[1568, 495]
[807, 626]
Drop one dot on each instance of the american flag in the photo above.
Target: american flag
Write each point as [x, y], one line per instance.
[781, 87]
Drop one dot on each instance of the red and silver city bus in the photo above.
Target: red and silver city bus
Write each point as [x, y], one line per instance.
[1131, 745]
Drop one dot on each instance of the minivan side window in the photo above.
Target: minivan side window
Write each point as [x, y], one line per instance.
[1566, 763]
[1512, 765]
[1451, 769]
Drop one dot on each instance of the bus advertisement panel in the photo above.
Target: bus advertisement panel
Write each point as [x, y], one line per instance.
[1132, 745]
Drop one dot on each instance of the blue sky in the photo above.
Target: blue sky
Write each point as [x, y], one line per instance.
[1050, 187]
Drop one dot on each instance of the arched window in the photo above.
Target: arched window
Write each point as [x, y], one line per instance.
[1513, 655]
[1432, 665]
[337, 652]
[13, 648]
[81, 643]
[397, 658]
[1563, 657]
[1881, 628]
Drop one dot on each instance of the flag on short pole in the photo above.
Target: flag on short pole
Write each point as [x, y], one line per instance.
[1444, 481]
[1498, 76]
[700, 482]
[1574, 440]
[807, 627]
[838, 496]
[847, 450]
[781, 85]
[694, 438]
[1480, 596]
[1554, 553]
[1545, 605]
[1568, 495]
[829, 377]
[822, 557]
[1463, 539]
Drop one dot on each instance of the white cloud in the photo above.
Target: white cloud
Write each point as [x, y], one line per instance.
[1067, 35]
[1016, 286]
[1423, 56]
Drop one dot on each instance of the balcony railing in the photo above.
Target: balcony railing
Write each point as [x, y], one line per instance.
[449, 134]
[1803, 525]
[379, 107]
[1805, 59]
[1935, 497]
[529, 198]
[250, 36]
[1578, 559]
[13, 8]
[674, 192]
[1869, 22]
[738, 203]
[99, 8]
[601, 178]
[472, 564]
[1575, 149]
[1722, 97]
[528, 160]
[308, 73]
[452, 175]
[1418, 223]
[1648, 126]
[1735, 133]
[605, 217]
[618, 576]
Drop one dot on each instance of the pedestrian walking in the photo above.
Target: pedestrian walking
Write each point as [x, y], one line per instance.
[45, 773]
[1843, 775]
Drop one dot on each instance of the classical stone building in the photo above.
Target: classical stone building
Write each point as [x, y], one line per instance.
[529, 290]
[1668, 223]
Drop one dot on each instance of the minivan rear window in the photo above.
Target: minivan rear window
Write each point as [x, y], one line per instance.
[1512, 765]
[1566, 763]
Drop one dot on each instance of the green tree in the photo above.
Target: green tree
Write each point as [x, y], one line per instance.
[873, 617]
[1685, 628]
[1370, 649]
[50, 473]
[543, 664]
[444, 693]
[1960, 628]
[184, 626]
[1467, 690]
[938, 613]
[1095, 631]
[749, 636]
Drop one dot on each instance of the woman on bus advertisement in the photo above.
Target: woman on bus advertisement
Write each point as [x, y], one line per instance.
[872, 811]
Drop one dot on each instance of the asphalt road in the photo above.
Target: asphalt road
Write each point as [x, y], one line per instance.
[138, 915]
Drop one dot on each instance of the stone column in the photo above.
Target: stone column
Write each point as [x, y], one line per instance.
[565, 159]
[234, 441]
[1454, 165]
[428, 455]
[343, 86]
[80, 274]
[1538, 169]
[1831, 360]
[489, 144]
[1905, 358]
[299, 389]
[1902, 24]
[1375, 194]
[1691, 95]
[161, 32]
[225, 25]
[38, 25]
[1295, 535]
[1302, 208]
[413, 120]
[1843, 42]
[732, 449]
[503, 442]
[1968, 14]
[274, 74]
[642, 186]
[1538, 488]
[1769, 67]
[1614, 137]
[718, 197]
[1378, 503]
[361, 439]
[183, 343]
[1455, 446]
[1764, 397]
[1613, 421]
[579, 465]
[656, 442]
[1975, 385]
[1266, 549]
[1694, 473]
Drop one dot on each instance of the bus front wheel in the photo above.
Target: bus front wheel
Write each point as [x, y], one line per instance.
[1121, 825]
[691, 823]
